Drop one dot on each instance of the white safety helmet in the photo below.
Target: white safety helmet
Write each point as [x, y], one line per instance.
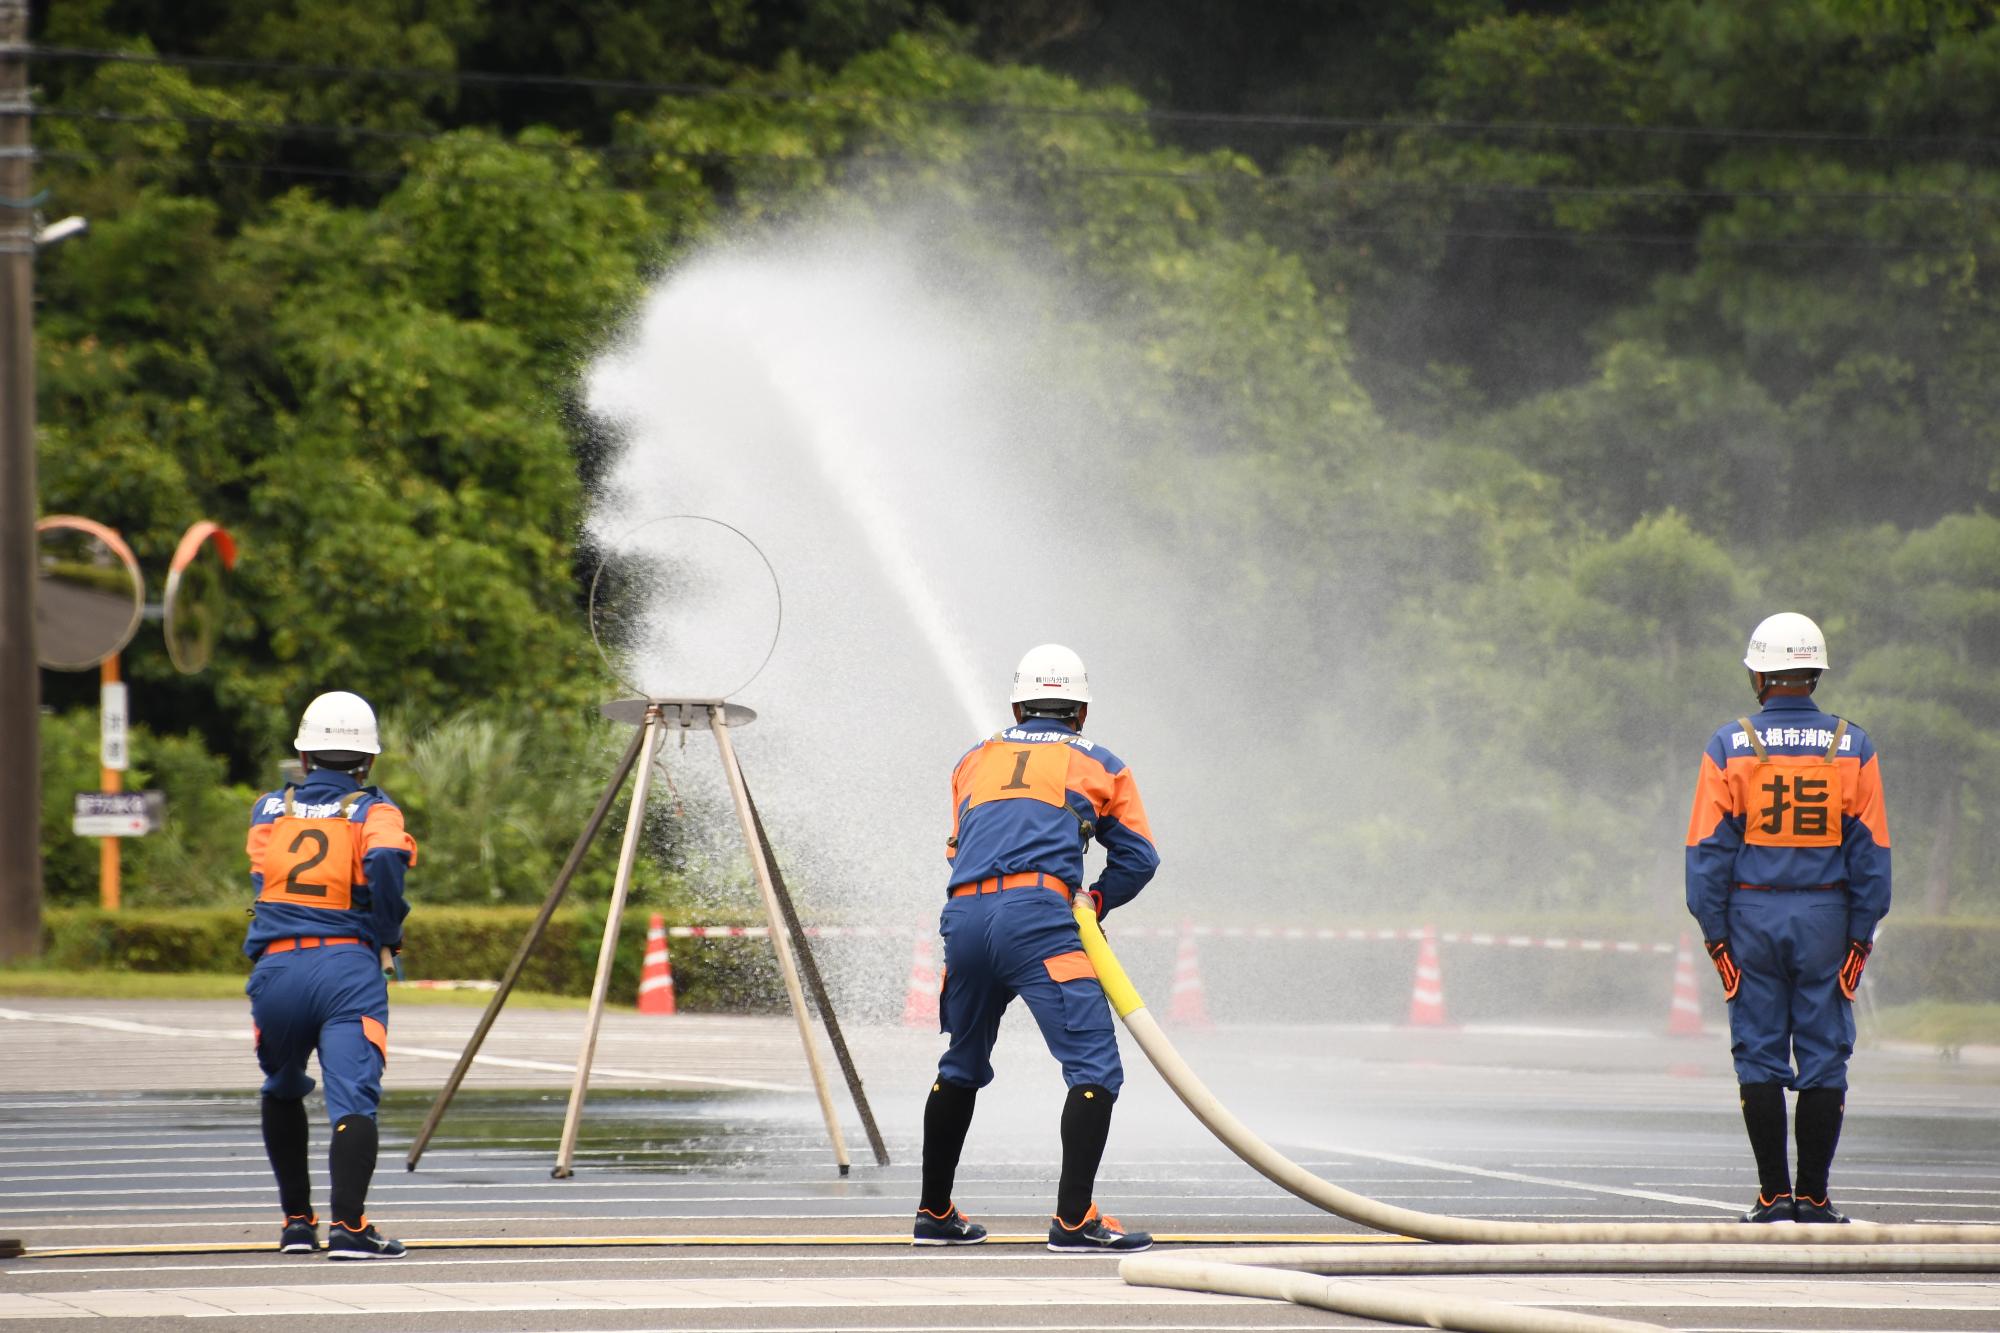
[1787, 641]
[337, 721]
[1051, 671]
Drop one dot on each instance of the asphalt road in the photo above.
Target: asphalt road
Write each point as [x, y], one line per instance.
[707, 1197]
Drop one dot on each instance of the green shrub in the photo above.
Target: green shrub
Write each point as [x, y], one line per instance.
[195, 858]
[440, 943]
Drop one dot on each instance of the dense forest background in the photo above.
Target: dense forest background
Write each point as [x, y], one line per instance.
[1595, 331]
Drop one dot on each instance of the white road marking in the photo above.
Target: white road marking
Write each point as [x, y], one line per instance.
[374, 1300]
[575, 1193]
[859, 1255]
[266, 1216]
[1523, 1178]
[242, 1035]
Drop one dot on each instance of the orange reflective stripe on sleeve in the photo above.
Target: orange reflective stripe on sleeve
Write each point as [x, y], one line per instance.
[1112, 795]
[383, 828]
[1070, 967]
[259, 839]
[1125, 805]
[1712, 801]
[1866, 804]
[377, 1034]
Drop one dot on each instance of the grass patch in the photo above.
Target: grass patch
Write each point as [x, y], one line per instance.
[55, 984]
[1936, 1023]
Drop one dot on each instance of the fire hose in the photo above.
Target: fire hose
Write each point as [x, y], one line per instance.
[1299, 1273]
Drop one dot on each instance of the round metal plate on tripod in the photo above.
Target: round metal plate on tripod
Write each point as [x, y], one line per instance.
[685, 714]
[686, 608]
[88, 593]
[194, 603]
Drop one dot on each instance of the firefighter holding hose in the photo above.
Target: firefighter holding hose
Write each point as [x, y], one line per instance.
[327, 858]
[1025, 805]
[1787, 875]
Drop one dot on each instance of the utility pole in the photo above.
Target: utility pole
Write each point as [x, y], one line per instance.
[20, 680]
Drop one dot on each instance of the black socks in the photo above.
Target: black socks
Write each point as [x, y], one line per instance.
[1086, 1124]
[352, 1160]
[285, 1145]
[1764, 1118]
[947, 1116]
[1817, 1119]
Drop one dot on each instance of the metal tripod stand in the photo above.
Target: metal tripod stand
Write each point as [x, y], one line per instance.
[653, 718]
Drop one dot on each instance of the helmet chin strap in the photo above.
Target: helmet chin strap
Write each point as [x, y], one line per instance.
[1072, 720]
[358, 773]
[1766, 684]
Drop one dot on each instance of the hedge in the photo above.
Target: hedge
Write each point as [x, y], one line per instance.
[1953, 961]
[440, 943]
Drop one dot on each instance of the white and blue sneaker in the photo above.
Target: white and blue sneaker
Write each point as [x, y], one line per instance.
[953, 1228]
[1096, 1234]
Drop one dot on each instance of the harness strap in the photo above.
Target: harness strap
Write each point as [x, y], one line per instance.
[347, 803]
[1755, 744]
[1838, 732]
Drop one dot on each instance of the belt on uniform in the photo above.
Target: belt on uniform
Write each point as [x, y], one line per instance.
[1027, 879]
[1793, 888]
[309, 942]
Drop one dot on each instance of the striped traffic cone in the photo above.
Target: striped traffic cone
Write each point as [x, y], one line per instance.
[1427, 990]
[1190, 1006]
[920, 1001]
[1684, 1013]
[656, 976]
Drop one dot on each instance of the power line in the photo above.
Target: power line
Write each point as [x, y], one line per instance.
[1236, 180]
[1162, 115]
[1818, 243]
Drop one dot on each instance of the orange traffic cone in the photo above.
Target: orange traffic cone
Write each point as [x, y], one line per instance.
[1190, 1006]
[920, 1002]
[656, 976]
[1427, 991]
[1684, 1014]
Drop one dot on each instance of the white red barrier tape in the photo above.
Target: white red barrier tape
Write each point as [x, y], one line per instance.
[1227, 933]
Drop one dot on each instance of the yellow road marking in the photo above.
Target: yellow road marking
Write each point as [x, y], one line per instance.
[690, 1242]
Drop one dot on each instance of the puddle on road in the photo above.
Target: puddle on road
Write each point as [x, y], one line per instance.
[630, 1130]
[624, 1130]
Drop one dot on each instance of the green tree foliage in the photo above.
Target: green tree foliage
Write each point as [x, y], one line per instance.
[1928, 692]
[1574, 337]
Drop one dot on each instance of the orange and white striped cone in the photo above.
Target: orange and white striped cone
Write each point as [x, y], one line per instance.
[920, 1001]
[1684, 1014]
[1427, 990]
[656, 976]
[1190, 1005]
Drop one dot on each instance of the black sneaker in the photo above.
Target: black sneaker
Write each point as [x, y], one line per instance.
[1818, 1210]
[301, 1234]
[367, 1243]
[1777, 1208]
[1096, 1235]
[954, 1228]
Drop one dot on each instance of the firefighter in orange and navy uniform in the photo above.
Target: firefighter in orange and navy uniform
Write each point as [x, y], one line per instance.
[327, 858]
[1025, 805]
[1788, 874]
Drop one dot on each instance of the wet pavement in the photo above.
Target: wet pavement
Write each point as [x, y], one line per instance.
[706, 1194]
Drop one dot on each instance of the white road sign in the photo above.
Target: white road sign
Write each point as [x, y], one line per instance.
[117, 814]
